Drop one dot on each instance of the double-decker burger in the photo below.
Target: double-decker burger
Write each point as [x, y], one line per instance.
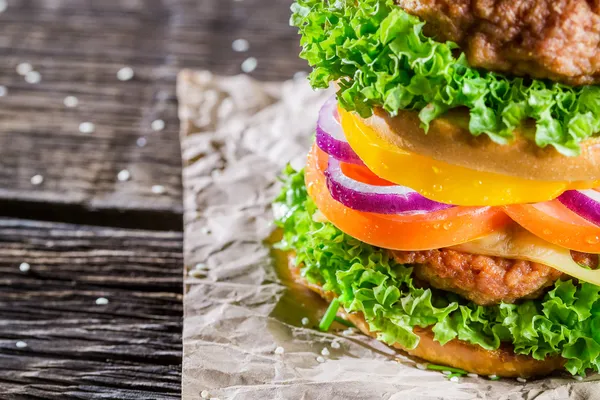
[448, 205]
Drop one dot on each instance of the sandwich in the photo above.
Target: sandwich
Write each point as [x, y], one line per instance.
[448, 204]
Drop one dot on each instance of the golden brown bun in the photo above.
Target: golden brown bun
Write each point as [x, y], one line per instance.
[456, 353]
[449, 140]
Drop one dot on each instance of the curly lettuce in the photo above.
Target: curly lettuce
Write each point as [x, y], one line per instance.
[379, 56]
[565, 322]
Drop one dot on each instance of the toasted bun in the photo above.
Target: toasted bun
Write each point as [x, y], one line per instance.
[449, 140]
[456, 353]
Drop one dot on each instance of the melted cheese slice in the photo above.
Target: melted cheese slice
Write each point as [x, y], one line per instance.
[517, 243]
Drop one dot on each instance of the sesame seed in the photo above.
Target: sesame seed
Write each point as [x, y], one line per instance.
[21, 344]
[3, 5]
[454, 379]
[158, 125]
[446, 372]
[3, 91]
[71, 101]
[33, 77]
[124, 175]
[305, 321]
[335, 345]
[471, 375]
[240, 45]
[249, 65]
[24, 68]
[320, 359]
[24, 267]
[204, 394]
[196, 273]
[141, 142]
[125, 74]
[102, 301]
[279, 350]
[87, 127]
[158, 189]
[522, 380]
[422, 366]
[325, 352]
[37, 180]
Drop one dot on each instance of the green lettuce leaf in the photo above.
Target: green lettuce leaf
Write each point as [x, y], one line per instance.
[565, 322]
[380, 58]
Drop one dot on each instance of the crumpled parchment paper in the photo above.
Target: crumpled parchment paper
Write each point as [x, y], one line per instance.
[236, 135]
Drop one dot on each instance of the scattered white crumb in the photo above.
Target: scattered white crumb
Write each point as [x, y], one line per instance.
[101, 301]
[204, 394]
[454, 379]
[214, 398]
[21, 344]
[422, 366]
[305, 321]
[3, 5]
[158, 189]
[200, 266]
[493, 376]
[240, 45]
[522, 380]
[37, 180]
[141, 142]
[87, 127]
[325, 352]
[206, 231]
[446, 372]
[158, 125]
[472, 375]
[578, 378]
[71, 101]
[3, 89]
[300, 75]
[125, 74]
[320, 359]
[33, 77]
[279, 350]
[124, 175]
[348, 332]
[249, 64]
[24, 68]
[24, 267]
[335, 345]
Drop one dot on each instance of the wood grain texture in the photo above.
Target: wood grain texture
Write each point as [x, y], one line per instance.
[127, 349]
[78, 47]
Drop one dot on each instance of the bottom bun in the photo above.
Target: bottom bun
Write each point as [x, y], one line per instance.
[456, 353]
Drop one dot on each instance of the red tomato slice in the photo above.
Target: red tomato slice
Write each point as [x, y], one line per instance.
[363, 174]
[556, 224]
[417, 232]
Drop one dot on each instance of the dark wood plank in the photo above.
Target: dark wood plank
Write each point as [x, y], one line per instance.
[78, 47]
[127, 349]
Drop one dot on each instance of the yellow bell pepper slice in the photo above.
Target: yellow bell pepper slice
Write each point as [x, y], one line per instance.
[444, 182]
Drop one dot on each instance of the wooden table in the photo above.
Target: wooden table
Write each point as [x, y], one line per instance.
[86, 235]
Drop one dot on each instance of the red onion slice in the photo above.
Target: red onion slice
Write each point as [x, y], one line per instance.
[330, 135]
[376, 199]
[585, 203]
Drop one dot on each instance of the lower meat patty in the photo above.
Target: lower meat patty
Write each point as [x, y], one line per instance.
[482, 279]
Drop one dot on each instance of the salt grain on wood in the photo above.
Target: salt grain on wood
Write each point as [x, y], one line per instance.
[33, 77]
[124, 175]
[249, 65]
[102, 301]
[87, 127]
[20, 344]
[24, 68]
[71, 101]
[24, 267]
[37, 180]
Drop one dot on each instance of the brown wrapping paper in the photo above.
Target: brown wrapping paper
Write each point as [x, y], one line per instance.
[236, 135]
